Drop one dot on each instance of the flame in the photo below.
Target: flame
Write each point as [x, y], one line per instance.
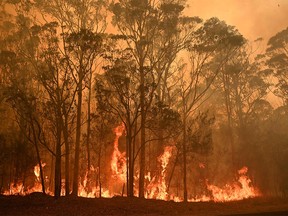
[20, 189]
[242, 189]
[118, 162]
[82, 190]
[15, 189]
[157, 187]
[37, 170]
[93, 191]
[118, 168]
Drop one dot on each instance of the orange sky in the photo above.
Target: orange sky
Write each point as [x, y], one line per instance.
[253, 18]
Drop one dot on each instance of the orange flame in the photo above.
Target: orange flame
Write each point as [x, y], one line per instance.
[242, 189]
[37, 170]
[118, 168]
[118, 162]
[157, 187]
[15, 189]
[20, 189]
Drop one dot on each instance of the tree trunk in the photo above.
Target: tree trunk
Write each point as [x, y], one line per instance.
[89, 122]
[228, 104]
[38, 155]
[128, 158]
[142, 132]
[173, 169]
[59, 127]
[98, 180]
[67, 156]
[57, 176]
[78, 138]
[185, 197]
[130, 167]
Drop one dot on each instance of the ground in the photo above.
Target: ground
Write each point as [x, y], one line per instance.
[39, 204]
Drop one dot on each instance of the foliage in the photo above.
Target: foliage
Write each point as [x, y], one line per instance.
[199, 134]
[278, 60]
[171, 79]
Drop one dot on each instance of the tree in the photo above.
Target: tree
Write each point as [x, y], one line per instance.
[84, 46]
[117, 94]
[243, 85]
[81, 24]
[58, 60]
[277, 60]
[154, 33]
[215, 40]
[52, 73]
[19, 91]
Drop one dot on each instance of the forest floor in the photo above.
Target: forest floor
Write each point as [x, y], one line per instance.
[39, 204]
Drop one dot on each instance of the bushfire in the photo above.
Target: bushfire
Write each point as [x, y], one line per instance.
[156, 187]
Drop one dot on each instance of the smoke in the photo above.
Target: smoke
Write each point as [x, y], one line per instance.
[253, 18]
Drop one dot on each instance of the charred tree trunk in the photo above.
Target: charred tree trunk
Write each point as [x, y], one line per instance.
[142, 132]
[57, 176]
[185, 197]
[228, 104]
[67, 155]
[130, 182]
[173, 169]
[89, 122]
[78, 136]
[127, 165]
[38, 155]
[59, 127]
[98, 180]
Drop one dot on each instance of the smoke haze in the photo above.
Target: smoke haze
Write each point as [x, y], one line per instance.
[253, 18]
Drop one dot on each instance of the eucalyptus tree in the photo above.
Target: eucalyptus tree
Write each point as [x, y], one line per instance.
[277, 60]
[213, 45]
[62, 43]
[19, 93]
[39, 55]
[52, 74]
[155, 32]
[176, 34]
[138, 21]
[88, 43]
[81, 25]
[243, 85]
[18, 89]
[117, 94]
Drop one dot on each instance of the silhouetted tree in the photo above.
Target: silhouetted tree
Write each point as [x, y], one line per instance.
[277, 54]
[214, 40]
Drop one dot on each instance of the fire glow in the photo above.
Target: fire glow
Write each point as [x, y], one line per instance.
[239, 190]
[20, 189]
[118, 162]
[156, 186]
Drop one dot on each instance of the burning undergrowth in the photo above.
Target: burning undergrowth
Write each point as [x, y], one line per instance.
[157, 185]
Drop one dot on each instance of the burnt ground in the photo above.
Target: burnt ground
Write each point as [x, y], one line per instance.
[39, 204]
